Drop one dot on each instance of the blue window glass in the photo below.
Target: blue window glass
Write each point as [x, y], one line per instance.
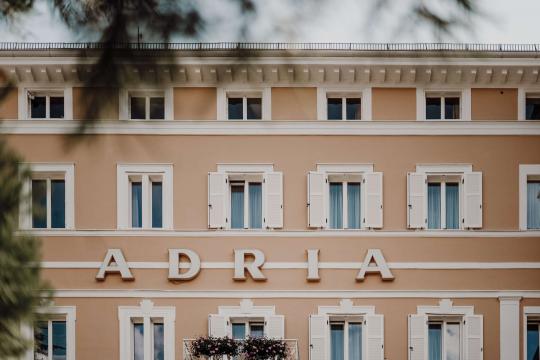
[38, 107]
[254, 108]
[336, 206]
[159, 346]
[533, 344]
[337, 342]
[236, 109]
[237, 206]
[157, 204]
[256, 330]
[452, 205]
[434, 206]
[39, 203]
[56, 107]
[58, 204]
[255, 205]
[435, 342]
[138, 342]
[353, 206]
[532, 109]
[238, 331]
[59, 350]
[533, 204]
[334, 108]
[353, 109]
[355, 341]
[41, 340]
[136, 204]
[433, 108]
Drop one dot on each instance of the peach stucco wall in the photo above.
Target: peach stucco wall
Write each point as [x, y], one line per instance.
[494, 104]
[86, 100]
[195, 103]
[294, 103]
[9, 108]
[393, 104]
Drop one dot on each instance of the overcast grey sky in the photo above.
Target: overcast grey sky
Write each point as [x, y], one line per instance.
[502, 21]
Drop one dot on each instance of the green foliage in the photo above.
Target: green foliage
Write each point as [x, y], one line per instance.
[214, 346]
[21, 288]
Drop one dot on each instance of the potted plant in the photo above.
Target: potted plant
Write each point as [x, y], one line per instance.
[263, 348]
[212, 347]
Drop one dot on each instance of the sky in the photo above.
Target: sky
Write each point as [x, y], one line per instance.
[500, 21]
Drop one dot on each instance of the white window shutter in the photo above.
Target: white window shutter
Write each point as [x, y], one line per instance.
[217, 325]
[472, 200]
[318, 329]
[274, 200]
[316, 199]
[418, 337]
[474, 337]
[374, 337]
[416, 201]
[275, 327]
[217, 200]
[373, 188]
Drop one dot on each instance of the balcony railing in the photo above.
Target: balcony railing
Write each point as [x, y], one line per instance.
[292, 345]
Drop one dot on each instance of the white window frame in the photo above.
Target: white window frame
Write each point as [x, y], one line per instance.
[147, 314]
[346, 320]
[58, 90]
[523, 94]
[247, 322]
[444, 320]
[464, 102]
[264, 93]
[528, 312]
[364, 93]
[525, 170]
[63, 313]
[246, 184]
[146, 171]
[124, 110]
[48, 171]
[447, 178]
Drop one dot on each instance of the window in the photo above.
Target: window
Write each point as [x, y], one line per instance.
[243, 329]
[146, 105]
[443, 106]
[344, 108]
[529, 197]
[244, 107]
[346, 339]
[345, 197]
[46, 104]
[443, 201]
[533, 339]
[245, 197]
[50, 201]
[54, 334]
[144, 196]
[532, 107]
[146, 325]
[444, 340]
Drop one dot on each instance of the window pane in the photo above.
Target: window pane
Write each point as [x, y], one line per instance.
[336, 205]
[138, 108]
[451, 108]
[532, 109]
[159, 347]
[434, 206]
[236, 111]
[138, 341]
[337, 342]
[353, 109]
[334, 109]
[136, 204]
[533, 348]
[157, 108]
[59, 340]
[355, 341]
[353, 206]
[157, 204]
[239, 331]
[452, 205]
[533, 205]
[38, 107]
[256, 330]
[254, 108]
[255, 205]
[58, 204]
[451, 341]
[39, 203]
[41, 341]
[237, 206]
[435, 342]
[56, 105]
[433, 108]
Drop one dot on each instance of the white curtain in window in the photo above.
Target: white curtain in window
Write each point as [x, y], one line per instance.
[255, 205]
[435, 342]
[434, 206]
[353, 199]
[237, 206]
[336, 205]
[452, 206]
[533, 205]
[336, 342]
[355, 342]
[136, 204]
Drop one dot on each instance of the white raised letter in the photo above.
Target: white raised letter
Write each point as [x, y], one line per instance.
[376, 256]
[253, 267]
[114, 262]
[194, 265]
[313, 264]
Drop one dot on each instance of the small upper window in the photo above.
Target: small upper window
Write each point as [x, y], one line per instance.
[443, 106]
[146, 105]
[244, 107]
[46, 104]
[344, 108]
[244, 329]
[532, 107]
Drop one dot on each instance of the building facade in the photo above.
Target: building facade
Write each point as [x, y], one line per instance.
[363, 202]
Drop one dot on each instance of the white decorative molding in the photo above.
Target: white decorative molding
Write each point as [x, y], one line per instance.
[345, 168]
[509, 327]
[443, 168]
[246, 308]
[445, 307]
[245, 168]
[346, 307]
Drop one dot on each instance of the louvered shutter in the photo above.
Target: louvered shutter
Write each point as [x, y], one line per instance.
[217, 325]
[318, 329]
[274, 200]
[472, 200]
[416, 201]
[474, 337]
[316, 200]
[374, 337]
[418, 337]
[217, 200]
[275, 327]
[373, 187]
